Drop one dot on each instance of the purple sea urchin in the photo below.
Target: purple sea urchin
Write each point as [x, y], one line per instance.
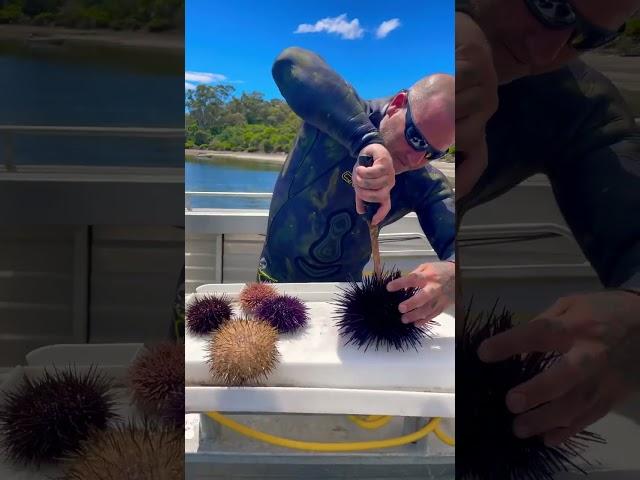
[156, 379]
[486, 447]
[286, 313]
[206, 313]
[46, 419]
[253, 294]
[243, 351]
[367, 314]
[141, 452]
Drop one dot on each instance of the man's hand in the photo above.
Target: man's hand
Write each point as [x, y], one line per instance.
[436, 282]
[374, 183]
[476, 101]
[599, 337]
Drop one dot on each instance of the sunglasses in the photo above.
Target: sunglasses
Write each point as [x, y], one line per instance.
[416, 140]
[559, 14]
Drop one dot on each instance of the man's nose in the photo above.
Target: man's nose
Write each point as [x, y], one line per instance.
[545, 46]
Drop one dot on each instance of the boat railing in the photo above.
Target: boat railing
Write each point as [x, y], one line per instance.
[8, 134]
[211, 233]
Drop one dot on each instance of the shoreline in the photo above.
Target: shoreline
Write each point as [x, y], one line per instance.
[273, 158]
[39, 35]
[279, 158]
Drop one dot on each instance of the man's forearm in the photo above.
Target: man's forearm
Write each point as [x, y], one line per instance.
[318, 95]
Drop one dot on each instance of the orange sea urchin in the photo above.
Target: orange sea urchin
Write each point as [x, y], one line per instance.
[243, 351]
[253, 294]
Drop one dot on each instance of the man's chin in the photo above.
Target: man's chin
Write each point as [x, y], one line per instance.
[414, 166]
[400, 167]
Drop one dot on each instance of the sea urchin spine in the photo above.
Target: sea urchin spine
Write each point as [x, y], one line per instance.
[486, 445]
[253, 294]
[156, 379]
[130, 451]
[367, 314]
[286, 313]
[46, 419]
[206, 313]
[243, 351]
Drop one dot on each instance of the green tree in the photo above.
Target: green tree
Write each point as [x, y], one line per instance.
[201, 138]
[247, 122]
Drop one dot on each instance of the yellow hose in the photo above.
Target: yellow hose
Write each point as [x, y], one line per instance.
[432, 426]
[371, 422]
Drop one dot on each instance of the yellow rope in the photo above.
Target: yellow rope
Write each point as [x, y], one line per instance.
[432, 426]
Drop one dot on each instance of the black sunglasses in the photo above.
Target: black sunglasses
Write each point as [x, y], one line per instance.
[415, 139]
[558, 14]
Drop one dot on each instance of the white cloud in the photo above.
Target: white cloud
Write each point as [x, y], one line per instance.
[339, 25]
[386, 27]
[203, 77]
[189, 86]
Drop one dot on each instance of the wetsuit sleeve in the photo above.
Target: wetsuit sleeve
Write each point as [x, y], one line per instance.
[597, 184]
[322, 98]
[435, 208]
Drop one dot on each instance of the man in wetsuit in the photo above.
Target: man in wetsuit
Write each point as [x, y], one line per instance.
[315, 232]
[526, 104]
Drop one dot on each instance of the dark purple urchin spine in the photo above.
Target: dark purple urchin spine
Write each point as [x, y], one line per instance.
[206, 313]
[47, 419]
[284, 312]
[367, 315]
[485, 444]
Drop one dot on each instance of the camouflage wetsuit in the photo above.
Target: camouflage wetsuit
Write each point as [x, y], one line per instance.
[573, 126]
[314, 233]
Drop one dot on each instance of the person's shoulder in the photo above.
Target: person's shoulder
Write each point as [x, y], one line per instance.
[577, 79]
[423, 186]
[426, 178]
[577, 92]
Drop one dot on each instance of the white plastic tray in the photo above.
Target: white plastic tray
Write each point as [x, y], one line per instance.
[317, 373]
[85, 354]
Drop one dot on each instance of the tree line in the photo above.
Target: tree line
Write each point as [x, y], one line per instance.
[218, 120]
[151, 15]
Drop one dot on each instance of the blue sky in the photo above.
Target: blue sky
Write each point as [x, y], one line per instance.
[378, 46]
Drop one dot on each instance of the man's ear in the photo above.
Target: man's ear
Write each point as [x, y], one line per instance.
[396, 103]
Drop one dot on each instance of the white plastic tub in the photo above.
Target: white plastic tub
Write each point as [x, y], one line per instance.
[317, 373]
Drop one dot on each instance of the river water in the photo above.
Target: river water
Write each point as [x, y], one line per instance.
[71, 85]
[225, 175]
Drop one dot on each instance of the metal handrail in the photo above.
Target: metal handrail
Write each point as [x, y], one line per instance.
[95, 130]
[7, 132]
[231, 194]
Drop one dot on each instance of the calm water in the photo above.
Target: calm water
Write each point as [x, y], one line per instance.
[92, 86]
[222, 175]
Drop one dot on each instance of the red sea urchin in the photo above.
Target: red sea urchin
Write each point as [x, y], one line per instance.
[486, 447]
[286, 313]
[207, 312]
[46, 419]
[367, 314]
[253, 294]
[156, 379]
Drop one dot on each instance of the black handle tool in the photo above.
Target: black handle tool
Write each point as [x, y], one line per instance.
[370, 210]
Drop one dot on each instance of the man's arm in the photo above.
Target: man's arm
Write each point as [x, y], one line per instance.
[432, 199]
[318, 95]
[597, 184]
[435, 208]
